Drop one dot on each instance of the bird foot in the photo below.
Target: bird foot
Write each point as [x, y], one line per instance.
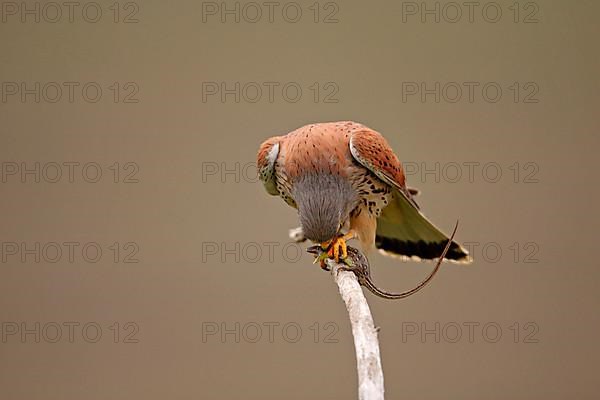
[336, 247]
[326, 251]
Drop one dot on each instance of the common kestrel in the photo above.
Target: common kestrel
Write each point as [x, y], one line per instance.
[345, 181]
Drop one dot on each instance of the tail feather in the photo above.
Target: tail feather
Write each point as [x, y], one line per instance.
[403, 231]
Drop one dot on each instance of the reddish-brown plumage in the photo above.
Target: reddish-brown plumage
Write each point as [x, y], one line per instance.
[325, 147]
[376, 150]
[264, 151]
[368, 184]
[319, 147]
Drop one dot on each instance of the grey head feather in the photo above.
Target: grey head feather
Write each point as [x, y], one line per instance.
[324, 202]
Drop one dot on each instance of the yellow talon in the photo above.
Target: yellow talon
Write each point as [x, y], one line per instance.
[338, 246]
[344, 249]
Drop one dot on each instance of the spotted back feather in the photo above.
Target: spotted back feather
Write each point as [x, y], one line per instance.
[401, 229]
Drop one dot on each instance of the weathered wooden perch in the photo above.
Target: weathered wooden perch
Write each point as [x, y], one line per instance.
[350, 277]
[366, 343]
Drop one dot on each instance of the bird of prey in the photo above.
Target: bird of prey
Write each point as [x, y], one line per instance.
[346, 182]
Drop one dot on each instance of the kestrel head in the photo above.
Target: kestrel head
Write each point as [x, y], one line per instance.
[324, 203]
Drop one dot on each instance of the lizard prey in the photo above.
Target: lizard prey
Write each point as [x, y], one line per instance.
[359, 265]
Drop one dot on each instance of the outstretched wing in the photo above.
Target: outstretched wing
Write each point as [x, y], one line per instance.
[265, 163]
[401, 229]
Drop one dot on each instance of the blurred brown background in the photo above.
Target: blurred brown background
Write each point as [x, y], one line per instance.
[219, 305]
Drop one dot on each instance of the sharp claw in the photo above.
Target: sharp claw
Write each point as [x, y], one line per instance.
[336, 251]
[344, 248]
[335, 248]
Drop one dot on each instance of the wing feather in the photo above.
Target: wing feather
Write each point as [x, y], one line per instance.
[401, 229]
